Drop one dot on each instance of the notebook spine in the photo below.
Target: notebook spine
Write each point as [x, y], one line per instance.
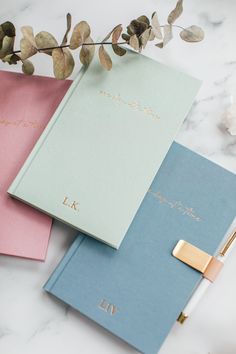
[63, 263]
[12, 189]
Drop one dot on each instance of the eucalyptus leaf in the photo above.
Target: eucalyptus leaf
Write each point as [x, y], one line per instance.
[45, 40]
[111, 32]
[156, 28]
[192, 34]
[134, 42]
[9, 29]
[168, 35]
[69, 62]
[58, 63]
[7, 46]
[27, 50]
[126, 37]
[145, 37]
[159, 45]
[144, 19]
[104, 58]
[28, 34]
[118, 50]
[2, 35]
[87, 52]
[116, 34]
[63, 63]
[136, 27]
[27, 67]
[68, 28]
[11, 59]
[80, 33]
[176, 12]
[115, 37]
[152, 35]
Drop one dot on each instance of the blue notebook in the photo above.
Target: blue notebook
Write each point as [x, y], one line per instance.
[138, 291]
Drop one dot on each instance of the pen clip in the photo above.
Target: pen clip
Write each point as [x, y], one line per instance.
[197, 259]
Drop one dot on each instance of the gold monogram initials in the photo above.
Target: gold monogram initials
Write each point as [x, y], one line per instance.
[107, 307]
[72, 205]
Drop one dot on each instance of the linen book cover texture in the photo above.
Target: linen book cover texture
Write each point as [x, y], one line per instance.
[98, 157]
[138, 291]
[26, 105]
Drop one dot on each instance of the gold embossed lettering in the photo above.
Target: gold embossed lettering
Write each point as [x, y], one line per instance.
[74, 205]
[65, 201]
[133, 105]
[177, 205]
[107, 307]
[20, 123]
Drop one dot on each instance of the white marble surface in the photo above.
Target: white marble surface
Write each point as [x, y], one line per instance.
[33, 322]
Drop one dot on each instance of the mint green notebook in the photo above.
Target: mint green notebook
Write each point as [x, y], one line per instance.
[94, 163]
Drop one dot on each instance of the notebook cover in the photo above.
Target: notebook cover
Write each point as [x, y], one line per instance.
[96, 161]
[26, 105]
[138, 292]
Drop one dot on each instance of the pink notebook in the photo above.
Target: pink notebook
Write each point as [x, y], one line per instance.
[26, 106]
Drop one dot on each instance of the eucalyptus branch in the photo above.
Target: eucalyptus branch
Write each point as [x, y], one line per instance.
[138, 33]
[67, 46]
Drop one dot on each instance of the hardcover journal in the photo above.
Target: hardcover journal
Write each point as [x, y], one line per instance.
[26, 105]
[98, 156]
[138, 292]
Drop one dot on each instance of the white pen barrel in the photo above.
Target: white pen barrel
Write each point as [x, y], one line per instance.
[199, 292]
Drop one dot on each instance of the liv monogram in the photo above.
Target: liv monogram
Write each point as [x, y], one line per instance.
[107, 307]
[71, 204]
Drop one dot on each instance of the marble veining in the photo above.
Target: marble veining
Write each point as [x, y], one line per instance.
[32, 321]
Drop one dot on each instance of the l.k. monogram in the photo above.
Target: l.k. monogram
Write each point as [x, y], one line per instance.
[107, 307]
[74, 205]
